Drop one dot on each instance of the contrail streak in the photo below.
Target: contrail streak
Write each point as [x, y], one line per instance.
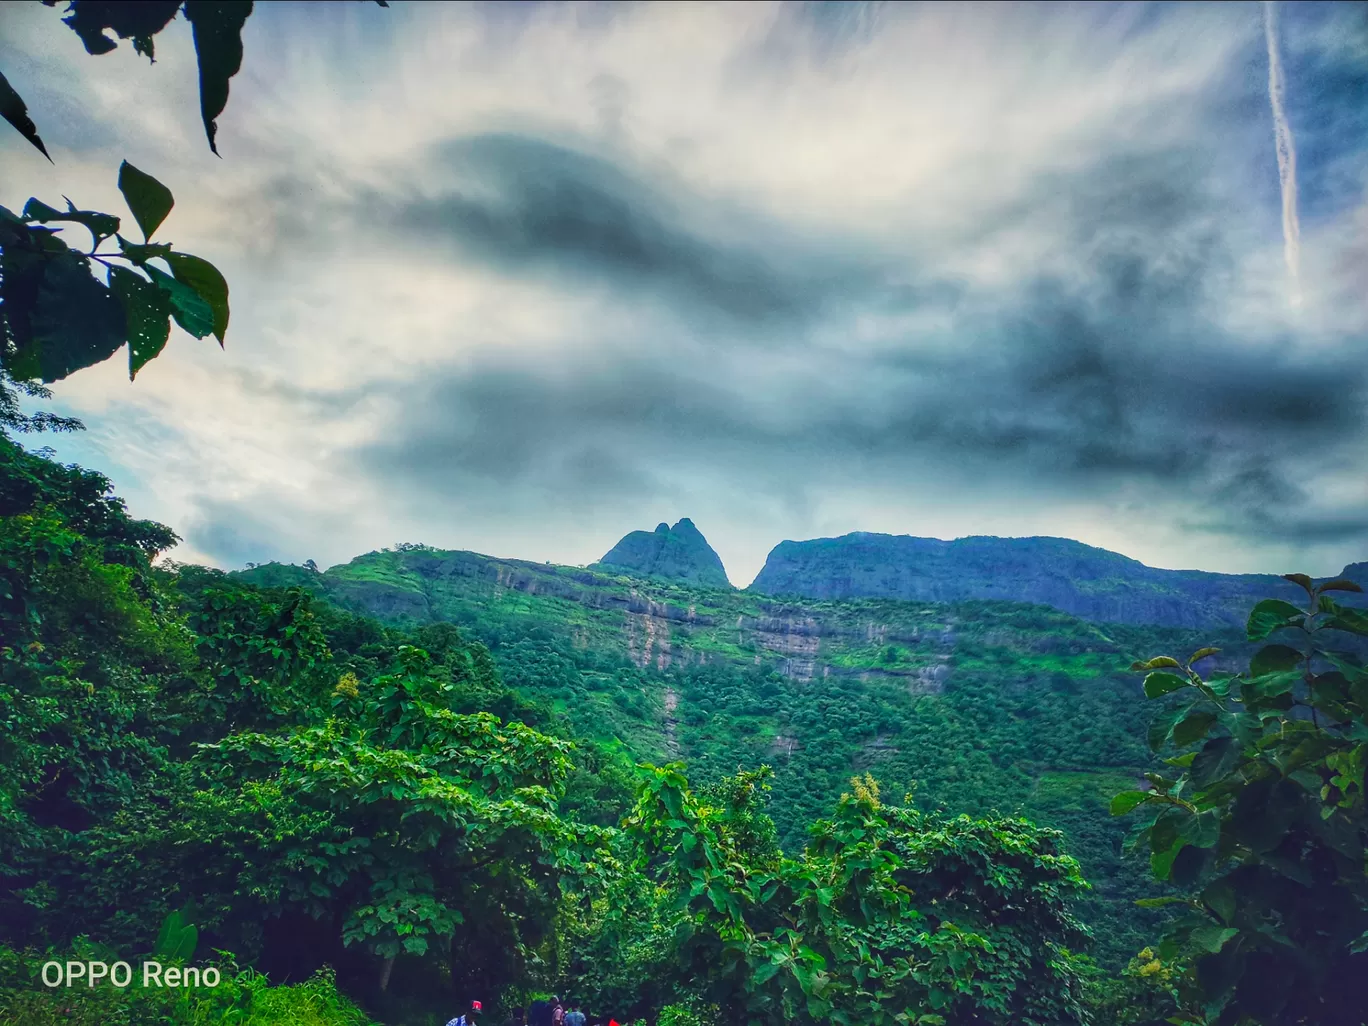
[1287, 153]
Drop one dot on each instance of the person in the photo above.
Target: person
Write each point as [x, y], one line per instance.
[574, 1017]
[540, 1013]
[557, 1012]
[470, 1017]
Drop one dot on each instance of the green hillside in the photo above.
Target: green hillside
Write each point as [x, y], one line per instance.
[978, 706]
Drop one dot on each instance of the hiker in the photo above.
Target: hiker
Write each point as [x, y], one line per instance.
[470, 1018]
[540, 1013]
[574, 1017]
[557, 1012]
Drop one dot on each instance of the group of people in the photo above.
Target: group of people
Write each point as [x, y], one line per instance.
[554, 1012]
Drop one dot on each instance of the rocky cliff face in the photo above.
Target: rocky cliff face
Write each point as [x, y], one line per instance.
[678, 553]
[1087, 582]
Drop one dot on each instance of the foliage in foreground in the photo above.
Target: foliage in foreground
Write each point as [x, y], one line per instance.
[890, 916]
[244, 998]
[1264, 822]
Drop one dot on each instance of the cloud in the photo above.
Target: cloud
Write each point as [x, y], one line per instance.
[521, 280]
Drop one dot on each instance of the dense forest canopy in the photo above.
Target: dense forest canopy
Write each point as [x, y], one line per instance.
[897, 780]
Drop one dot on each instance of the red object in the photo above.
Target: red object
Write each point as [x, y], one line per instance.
[612, 1022]
[475, 1006]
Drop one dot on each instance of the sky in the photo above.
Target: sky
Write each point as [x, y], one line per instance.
[521, 278]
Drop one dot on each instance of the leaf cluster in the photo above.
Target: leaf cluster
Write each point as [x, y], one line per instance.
[1262, 821]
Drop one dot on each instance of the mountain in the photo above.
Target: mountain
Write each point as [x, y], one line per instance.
[678, 553]
[1090, 583]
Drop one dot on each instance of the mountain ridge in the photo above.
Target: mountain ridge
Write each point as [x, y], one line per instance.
[679, 553]
[1092, 583]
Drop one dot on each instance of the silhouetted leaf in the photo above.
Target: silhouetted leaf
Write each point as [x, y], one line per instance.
[217, 28]
[188, 307]
[1275, 659]
[148, 312]
[1341, 584]
[140, 253]
[101, 226]
[1271, 615]
[1220, 898]
[15, 111]
[1305, 582]
[77, 322]
[138, 20]
[204, 278]
[1190, 862]
[149, 200]
[1193, 727]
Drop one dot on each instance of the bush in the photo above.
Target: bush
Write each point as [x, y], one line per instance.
[244, 998]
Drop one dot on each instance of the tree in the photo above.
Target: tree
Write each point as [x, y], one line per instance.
[56, 315]
[1264, 823]
[889, 916]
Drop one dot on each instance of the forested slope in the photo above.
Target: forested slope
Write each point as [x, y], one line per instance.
[979, 705]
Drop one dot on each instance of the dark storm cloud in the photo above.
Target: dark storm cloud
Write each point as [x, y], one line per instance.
[529, 206]
[1110, 364]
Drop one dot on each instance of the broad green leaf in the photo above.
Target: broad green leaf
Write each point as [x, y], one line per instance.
[1193, 727]
[15, 111]
[1275, 659]
[1352, 621]
[1161, 862]
[1220, 898]
[1161, 727]
[148, 312]
[217, 26]
[1167, 828]
[1217, 758]
[1167, 899]
[1201, 653]
[147, 198]
[1271, 615]
[1203, 829]
[1212, 938]
[187, 306]
[1158, 684]
[1157, 663]
[1128, 800]
[204, 278]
